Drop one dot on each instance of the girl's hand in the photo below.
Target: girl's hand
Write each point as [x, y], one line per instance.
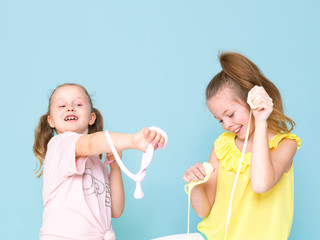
[143, 138]
[110, 158]
[196, 172]
[260, 98]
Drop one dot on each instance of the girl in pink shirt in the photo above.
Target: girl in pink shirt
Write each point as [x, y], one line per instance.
[77, 187]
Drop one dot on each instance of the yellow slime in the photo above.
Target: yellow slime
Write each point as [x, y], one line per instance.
[188, 187]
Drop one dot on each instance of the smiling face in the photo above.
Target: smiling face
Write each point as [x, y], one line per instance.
[70, 110]
[230, 111]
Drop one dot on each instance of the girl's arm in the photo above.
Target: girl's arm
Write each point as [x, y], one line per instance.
[267, 167]
[203, 195]
[116, 188]
[96, 143]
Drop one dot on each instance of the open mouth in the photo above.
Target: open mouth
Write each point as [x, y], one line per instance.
[237, 130]
[70, 117]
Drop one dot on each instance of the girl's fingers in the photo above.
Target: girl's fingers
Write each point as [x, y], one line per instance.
[186, 178]
[196, 172]
[146, 132]
[256, 100]
[161, 143]
[261, 99]
[152, 135]
[191, 175]
[157, 144]
[264, 102]
[156, 140]
[201, 169]
[110, 156]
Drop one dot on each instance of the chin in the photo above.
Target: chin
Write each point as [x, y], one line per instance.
[240, 137]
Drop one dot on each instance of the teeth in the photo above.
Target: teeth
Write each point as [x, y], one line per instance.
[70, 118]
[237, 130]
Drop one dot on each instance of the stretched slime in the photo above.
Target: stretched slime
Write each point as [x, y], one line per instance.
[145, 161]
[189, 186]
[252, 106]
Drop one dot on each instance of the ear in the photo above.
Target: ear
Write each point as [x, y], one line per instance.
[50, 121]
[92, 119]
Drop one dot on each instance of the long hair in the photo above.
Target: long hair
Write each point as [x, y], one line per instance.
[43, 132]
[239, 73]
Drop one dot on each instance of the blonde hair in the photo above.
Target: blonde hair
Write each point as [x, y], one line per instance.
[43, 132]
[239, 73]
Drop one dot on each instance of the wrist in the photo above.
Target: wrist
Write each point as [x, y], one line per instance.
[114, 166]
[126, 142]
[261, 124]
[122, 141]
[131, 145]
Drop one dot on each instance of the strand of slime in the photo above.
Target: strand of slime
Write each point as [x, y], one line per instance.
[237, 176]
[189, 186]
[145, 161]
[252, 106]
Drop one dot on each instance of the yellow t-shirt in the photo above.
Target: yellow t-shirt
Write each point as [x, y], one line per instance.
[266, 216]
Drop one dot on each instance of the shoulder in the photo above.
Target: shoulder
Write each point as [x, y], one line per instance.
[283, 147]
[223, 138]
[226, 151]
[224, 142]
[288, 140]
[64, 139]
[64, 135]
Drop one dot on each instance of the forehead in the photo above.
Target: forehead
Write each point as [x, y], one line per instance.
[224, 100]
[69, 91]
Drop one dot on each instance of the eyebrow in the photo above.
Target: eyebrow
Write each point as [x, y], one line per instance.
[222, 113]
[225, 111]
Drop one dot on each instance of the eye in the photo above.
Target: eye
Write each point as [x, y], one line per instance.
[221, 121]
[231, 115]
[78, 105]
[62, 106]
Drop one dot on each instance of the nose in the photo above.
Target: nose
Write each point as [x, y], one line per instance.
[70, 109]
[227, 124]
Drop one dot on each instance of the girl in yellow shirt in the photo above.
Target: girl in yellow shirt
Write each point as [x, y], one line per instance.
[262, 205]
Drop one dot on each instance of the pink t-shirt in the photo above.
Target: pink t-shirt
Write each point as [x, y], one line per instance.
[76, 194]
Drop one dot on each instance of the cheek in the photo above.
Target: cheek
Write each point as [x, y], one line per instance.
[245, 118]
[241, 118]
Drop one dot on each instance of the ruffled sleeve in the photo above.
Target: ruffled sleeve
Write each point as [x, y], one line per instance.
[275, 140]
[228, 154]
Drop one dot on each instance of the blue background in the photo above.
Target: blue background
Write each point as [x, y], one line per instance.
[148, 63]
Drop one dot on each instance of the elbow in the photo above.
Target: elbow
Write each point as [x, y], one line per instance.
[202, 215]
[117, 214]
[203, 212]
[117, 209]
[262, 184]
[90, 145]
[202, 208]
[260, 188]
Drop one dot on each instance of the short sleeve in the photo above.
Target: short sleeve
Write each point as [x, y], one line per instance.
[61, 157]
[275, 140]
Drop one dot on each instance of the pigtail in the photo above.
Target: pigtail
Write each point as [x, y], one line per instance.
[98, 124]
[242, 74]
[42, 136]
